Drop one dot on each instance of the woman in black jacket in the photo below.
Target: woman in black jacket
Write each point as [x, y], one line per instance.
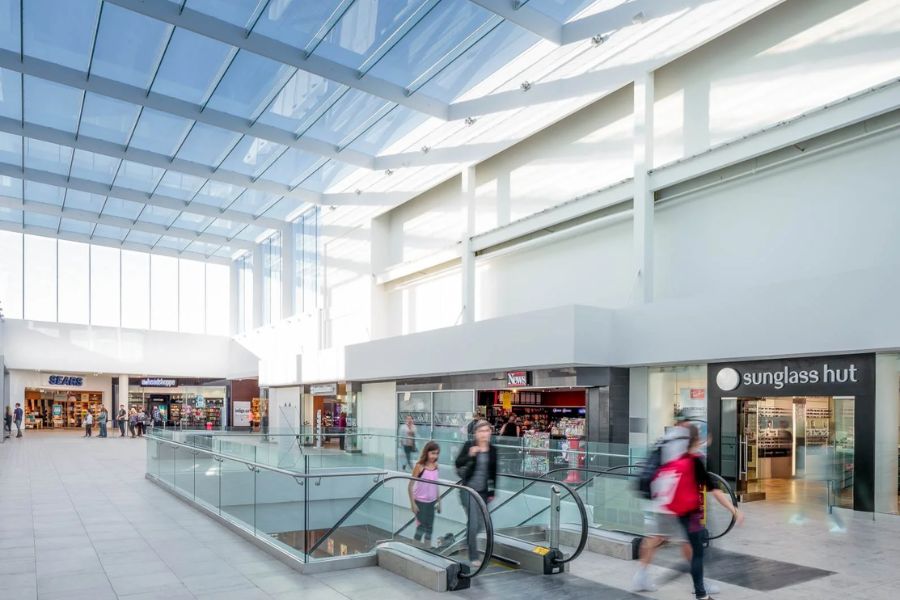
[476, 465]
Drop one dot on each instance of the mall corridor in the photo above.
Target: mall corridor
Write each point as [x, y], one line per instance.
[79, 520]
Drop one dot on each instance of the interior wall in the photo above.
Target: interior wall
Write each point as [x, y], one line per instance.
[799, 56]
[427, 303]
[831, 213]
[426, 224]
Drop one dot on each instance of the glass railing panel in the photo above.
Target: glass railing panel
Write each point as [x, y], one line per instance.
[527, 515]
[613, 502]
[207, 481]
[167, 463]
[184, 470]
[237, 492]
[153, 457]
[279, 510]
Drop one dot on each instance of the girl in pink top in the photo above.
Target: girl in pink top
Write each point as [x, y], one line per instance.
[423, 495]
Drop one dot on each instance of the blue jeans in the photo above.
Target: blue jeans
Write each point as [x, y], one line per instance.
[695, 534]
[102, 429]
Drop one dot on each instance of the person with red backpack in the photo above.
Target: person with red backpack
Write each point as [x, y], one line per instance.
[677, 492]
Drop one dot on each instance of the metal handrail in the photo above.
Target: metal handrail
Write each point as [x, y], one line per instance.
[257, 465]
[582, 542]
[488, 526]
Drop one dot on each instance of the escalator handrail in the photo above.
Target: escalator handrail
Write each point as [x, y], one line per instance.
[482, 507]
[413, 520]
[582, 512]
[724, 484]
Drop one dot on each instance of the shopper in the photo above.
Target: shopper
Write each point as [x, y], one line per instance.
[678, 492]
[101, 420]
[7, 423]
[424, 499]
[88, 423]
[408, 441]
[121, 418]
[132, 422]
[18, 417]
[511, 429]
[476, 466]
[141, 422]
[342, 429]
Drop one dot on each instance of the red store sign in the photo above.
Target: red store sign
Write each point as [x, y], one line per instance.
[517, 378]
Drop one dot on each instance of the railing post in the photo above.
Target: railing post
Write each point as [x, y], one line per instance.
[554, 517]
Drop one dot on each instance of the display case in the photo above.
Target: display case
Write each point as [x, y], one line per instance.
[537, 453]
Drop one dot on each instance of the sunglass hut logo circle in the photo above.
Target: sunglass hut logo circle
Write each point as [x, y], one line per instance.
[728, 379]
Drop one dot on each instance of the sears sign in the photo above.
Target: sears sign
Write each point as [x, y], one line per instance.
[65, 380]
[517, 379]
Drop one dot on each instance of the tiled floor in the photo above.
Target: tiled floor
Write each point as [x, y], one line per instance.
[78, 520]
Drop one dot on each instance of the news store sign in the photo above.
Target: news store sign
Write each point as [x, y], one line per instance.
[518, 379]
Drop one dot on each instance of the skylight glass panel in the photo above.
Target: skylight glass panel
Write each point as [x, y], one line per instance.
[249, 84]
[107, 118]
[251, 232]
[254, 202]
[291, 167]
[330, 174]
[236, 12]
[348, 117]
[303, 97]
[117, 207]
[173, 243]
[252, 156]
[159, 132]
[43, 193]
[295, 23]
[142, 237]
[191, 66]
[445, 27]
[110, 232]
[284, 207]
[204, 248]
[129, 46]
[393, 126]
[10, 17]
[364, 28]
[61, 31]
[561, 10]
[51, 104]
[41, 220]
[218, 194]
[11, 149]
[73, 226]
[207, 145]
[179, 185]
[10, 94]
[45, 156]
[225, 227]
[192, 221]
[158, 215]
[84, 201]
[10, 186]
[10, 215]
[494, 51]
[138, 176]
[95, 167]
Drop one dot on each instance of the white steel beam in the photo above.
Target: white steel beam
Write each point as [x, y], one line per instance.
[94, 187]
[525, 17]
[89, 217]
[188, 110]
[153, 159]
[467, 255]
[238, 37]
[644, 97]
[86, 239]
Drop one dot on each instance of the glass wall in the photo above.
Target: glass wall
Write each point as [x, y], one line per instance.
[46, 279]
[307, 267]
[887, 433]
[676, 390]
[446, 411]
[245, 293]
[271, 291]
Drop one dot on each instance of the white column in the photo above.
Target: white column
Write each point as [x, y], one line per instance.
[123, 392]
[288, 285]
[643, 195]
[379, 258]
[257, 286]
[887, 421]
[234, 290]
[466, 254]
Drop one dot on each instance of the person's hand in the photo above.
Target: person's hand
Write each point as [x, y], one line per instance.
[438, 509]
[415, 508]
[739, 517]
[490, 499]
[474, 450]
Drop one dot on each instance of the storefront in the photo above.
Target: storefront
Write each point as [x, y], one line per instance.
[795, 429]
[185, 403]
[59, 400]
[330, 408]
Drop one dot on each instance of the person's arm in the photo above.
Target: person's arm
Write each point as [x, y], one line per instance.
[417, 470]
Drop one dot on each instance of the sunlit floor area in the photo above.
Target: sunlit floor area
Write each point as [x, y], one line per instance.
[81, 521]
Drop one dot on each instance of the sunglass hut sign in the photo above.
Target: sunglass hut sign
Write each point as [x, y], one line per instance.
[730, 378]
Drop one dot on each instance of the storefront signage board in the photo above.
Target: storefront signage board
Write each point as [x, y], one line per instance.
[517, 378]
[158, 382]
[69, 380]
[241, 413]
[326, 389]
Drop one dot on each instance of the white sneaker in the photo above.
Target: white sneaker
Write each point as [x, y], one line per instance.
[642, 582]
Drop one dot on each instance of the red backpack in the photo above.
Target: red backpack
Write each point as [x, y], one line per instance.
[675, 486]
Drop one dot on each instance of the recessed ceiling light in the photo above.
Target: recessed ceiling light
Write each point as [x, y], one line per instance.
[470, 121]
[526, 85]
[598, 39]
[388, 172]
[425, 149]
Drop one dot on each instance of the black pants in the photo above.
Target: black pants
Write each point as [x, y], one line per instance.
[87, 430]
[425, 520]
[408, 451]
[474, 522]
[121, 427]
[695, 534]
